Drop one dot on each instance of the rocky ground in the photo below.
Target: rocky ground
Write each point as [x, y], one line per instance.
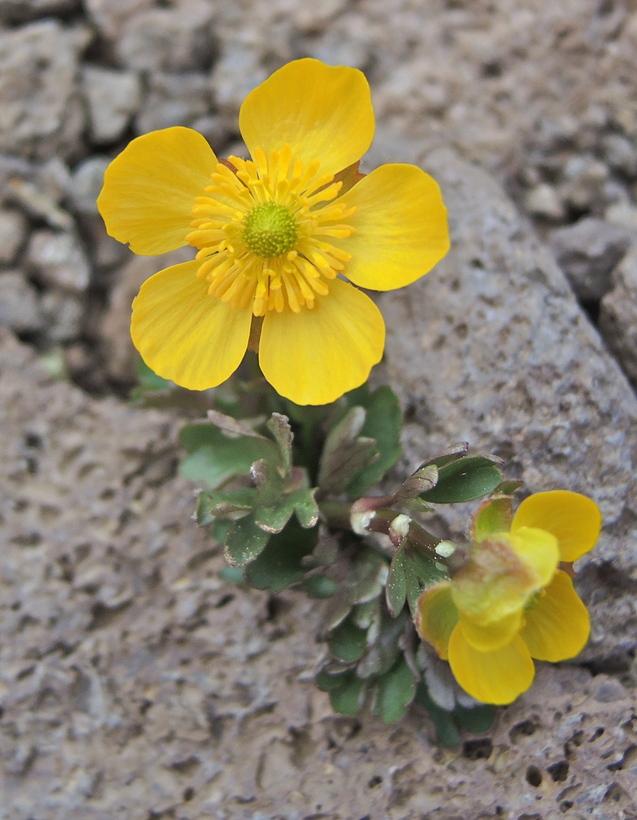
[134, 682]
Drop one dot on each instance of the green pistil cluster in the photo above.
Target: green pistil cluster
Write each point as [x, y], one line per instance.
[269, 230]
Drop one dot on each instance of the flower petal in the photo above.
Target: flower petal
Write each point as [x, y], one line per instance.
[492, 635]
[185, 335]
[437, 616]
[401, 227]
[558, 626]
[574, 519]
[150, 188]
[324, 112]
[538, 549]
[315, 356]
[492, 677]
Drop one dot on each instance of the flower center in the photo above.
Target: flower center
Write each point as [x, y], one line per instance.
[269, 230]
[265, 232]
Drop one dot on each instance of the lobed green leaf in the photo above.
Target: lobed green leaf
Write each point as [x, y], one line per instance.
[280, 564]
[244, 541]
[464, 479]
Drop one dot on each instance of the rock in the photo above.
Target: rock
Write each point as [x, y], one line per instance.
[492, 348]
[214, 130]
[110, 16]
[121, 644]
[169, 39]
[63, 316]
[544, 201]
[173, 99]
[41, 113]
[59, 260]
[587, 252]
[86, 183]
[21, 11]
[19, 307]
[621, 154]
[237, 72]
[13, 228]
[585, 180]
[113, 97]
[622, 214]
[618, 315]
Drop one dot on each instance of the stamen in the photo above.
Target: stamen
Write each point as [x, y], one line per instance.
[260, 236]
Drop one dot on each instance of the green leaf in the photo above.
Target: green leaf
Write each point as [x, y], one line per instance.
[383, 423]
[396, 690]
[214, 457]
[423, 566]
[451, 453]
[233, 426]
[447, 734]
[363, 615]
[244, 541]
[477, 719]
[423, 480]
[396, 588]
[385, 648]
[279, 426]
[318, 586]
[233, 574]
[345, 453]
[328, 683]
[508, 487]
[493, 515]
[347, 642]
[223, 502]
[281, 562]
[464, 480]
[276, 516]
[305, 507]
[348, 699]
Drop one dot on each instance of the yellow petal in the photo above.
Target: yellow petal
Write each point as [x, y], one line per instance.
[401, 227]
[492, 635]
[150, 188]
[574, 519]
[185, 335]
[314, 356]
[324, 112]
[539, 550]
[492, 677]
[437, 616]
[558, 626]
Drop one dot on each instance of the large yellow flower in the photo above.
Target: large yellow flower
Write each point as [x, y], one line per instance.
[275, 235]
[510, 603]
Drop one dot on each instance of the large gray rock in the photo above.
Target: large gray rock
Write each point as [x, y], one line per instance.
[59, 261]
[132, 675]
[19, 11]
[492, 348]
[13, 228]
[587, 252]
[19, 308]
[168, 39]
[173, 99]
[40, 110]
[112, 98]
[618, 314]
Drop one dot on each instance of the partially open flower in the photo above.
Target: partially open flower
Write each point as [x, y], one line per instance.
[510, 603]
[275, 235]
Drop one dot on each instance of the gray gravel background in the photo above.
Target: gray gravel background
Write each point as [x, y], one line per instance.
[134, 682]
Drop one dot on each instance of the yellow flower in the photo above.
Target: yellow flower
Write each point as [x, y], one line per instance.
[510, 603]
[274, 237]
